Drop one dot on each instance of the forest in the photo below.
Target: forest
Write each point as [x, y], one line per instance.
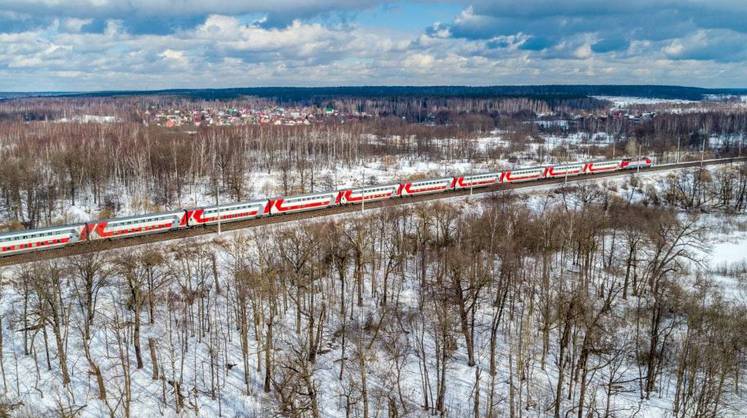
[59, 170]
[592, 300]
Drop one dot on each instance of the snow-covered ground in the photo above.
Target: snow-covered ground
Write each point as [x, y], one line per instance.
[623, 101]
[40, 389]
[727, 258]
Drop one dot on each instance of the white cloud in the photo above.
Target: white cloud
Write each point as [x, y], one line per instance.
[176, 56]
[419, 61]
[224, 51]
[73, 24]
[674, 48]
[583, 51]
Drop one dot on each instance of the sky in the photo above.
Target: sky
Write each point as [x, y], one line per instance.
[85, 45]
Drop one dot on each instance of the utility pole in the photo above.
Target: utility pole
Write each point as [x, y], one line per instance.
[218, 199]
[638, 168]
[678, 149]
[217, 194]
[363, 193]
[702, 153]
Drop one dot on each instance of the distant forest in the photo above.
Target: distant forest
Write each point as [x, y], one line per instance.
[319, 94]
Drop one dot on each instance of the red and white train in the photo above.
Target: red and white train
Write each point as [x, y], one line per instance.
[39, 239]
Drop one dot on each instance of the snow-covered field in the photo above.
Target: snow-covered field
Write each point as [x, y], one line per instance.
[623, 101]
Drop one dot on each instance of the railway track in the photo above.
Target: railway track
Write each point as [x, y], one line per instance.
[88, 247]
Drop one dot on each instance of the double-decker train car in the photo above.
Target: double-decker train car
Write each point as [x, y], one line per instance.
[425, 186]
[135, 225]
[602, 166]
[39, 239]
[368, 194]
[522, 174]
[303, 203]
[476, 180]
[46, 238]
[227, 213]
[564, 170]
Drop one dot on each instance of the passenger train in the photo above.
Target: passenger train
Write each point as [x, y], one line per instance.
[17, 242]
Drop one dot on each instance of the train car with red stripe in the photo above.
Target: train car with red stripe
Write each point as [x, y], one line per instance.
[476, 180]
[303, 203]
[602, 166]
[522, 174]
[368, 194]
[39, 239]
[228, 213]
[564, 170]
[425, 186]
[137, 225]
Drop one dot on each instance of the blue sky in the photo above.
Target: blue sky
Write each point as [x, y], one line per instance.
[79, 45]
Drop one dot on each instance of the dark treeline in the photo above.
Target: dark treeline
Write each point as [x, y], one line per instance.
[415, 109]
[443, 110]
[324, 93]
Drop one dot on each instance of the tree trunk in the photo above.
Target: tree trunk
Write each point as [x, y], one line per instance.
[96, 371]
[153, 358]
[61, 355]
[136, 337]
[268, 355]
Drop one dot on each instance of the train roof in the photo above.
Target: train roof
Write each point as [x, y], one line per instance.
[559, 164]
[433, 179]
[147, 215]
[296, 196]
[230, 205]
[372, 186]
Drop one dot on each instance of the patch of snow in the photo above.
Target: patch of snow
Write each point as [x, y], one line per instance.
[624, 101]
